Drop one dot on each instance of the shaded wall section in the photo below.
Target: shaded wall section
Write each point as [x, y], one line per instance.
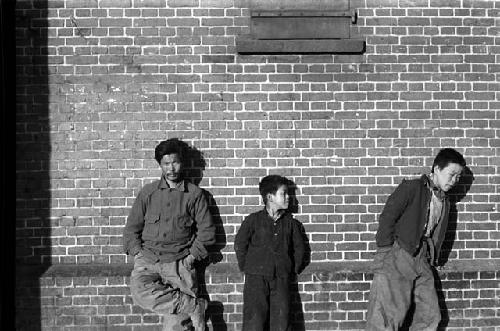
[7, 166]
[33, 149]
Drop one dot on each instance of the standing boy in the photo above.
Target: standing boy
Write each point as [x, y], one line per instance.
[411, 229]
[269, 247]
[168, 229]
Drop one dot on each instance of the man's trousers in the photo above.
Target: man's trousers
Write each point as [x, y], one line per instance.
[399, 278]
[266, 303]
[168, 289]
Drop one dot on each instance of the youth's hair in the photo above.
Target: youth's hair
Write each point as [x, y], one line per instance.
[271, 184]
[447, 156]
[169, 146]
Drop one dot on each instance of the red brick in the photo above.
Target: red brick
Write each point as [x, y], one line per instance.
[115, 3]
[81, 4]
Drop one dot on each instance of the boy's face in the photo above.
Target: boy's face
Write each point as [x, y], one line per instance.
[447, 177]
[171, 166]
[280, 198]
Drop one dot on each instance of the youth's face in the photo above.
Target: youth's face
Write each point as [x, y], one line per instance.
[171, 167]
[280, 198]
[447, 177]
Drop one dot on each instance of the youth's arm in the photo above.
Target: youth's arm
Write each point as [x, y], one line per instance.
[393, 209]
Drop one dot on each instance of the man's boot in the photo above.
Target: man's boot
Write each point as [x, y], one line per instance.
[198, 316]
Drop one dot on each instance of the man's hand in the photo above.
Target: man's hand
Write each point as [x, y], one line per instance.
[189, 261]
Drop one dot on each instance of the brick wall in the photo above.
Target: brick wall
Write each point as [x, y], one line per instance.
[101, 82]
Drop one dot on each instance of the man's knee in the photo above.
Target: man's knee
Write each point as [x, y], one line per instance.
[149, 292]
[176, 322]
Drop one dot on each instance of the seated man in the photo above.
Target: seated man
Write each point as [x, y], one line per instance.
[168, 229]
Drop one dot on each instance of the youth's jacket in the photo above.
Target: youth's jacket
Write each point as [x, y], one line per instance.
[405, 216]
[166, 224]
[269, 249]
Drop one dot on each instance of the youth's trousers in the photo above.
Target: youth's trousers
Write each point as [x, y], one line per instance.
[266, 303]
[399, 277]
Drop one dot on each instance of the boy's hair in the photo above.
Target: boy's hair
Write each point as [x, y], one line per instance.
[169, 146]
[447, 156]
[271, 184]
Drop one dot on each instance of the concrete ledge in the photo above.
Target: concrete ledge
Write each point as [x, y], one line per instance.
[246, 45]
[113, 270]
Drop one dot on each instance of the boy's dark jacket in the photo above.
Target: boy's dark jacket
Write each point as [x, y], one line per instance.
[268, 250]
[405, 216]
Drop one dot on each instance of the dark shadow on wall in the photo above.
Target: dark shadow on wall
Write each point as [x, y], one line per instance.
[456, 195]
[33, 149]
[445, 316]
[296, 307]
[215, 310]
[193, 162]
[8, 91]
[194, 165]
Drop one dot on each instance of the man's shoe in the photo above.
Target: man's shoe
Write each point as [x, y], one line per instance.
[187, 325]
[198, 316]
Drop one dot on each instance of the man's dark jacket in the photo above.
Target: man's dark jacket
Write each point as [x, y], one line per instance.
[270, 249]
[405, 217]
[166, 224]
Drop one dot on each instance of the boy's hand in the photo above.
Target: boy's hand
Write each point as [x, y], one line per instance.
[383, 249]
[380, 256]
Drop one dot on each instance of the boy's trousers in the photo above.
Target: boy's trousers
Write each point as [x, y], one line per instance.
[266, 303]
[399, 278]
[168, 289]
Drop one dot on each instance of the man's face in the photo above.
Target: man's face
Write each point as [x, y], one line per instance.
[280, 198]
[171, 166]
[447, 177]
